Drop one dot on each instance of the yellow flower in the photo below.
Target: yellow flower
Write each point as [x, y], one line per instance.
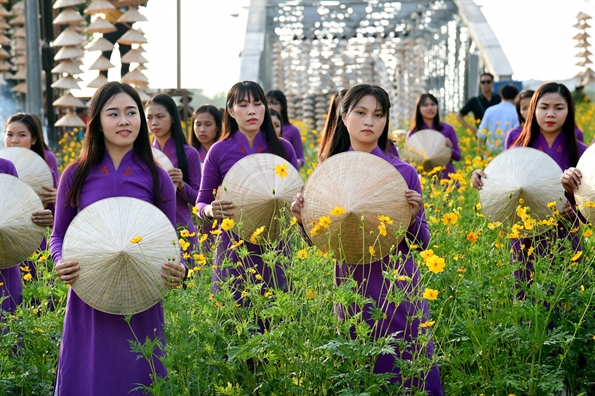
[302, 254]
[521, 201]
[382, 229]
[337, 211]
[315, 230]
[203, 238]
[28, 277]
[256, 234]
[588, 233]
[472, 237]
[236, 244]
[258, 276]
[494, 225]
[403, 278]
[186, 256]
[450, 219]
[435, 264]
[293, 221]
[428, 324]
[478, 206]
[184, 233]
[530, 251]
[184, 245]
[576, 256]
[25, 268]
[216, 232]
[195, 210]
[324, 221]
[136, 240]
[371, 250]
[430, 294]
[268, 294]
[227, 224]
[311, 294]
[281, 170]
[385, 219]
[426, 253]
[582, 289]
[589, 204]
[43, 259]
[552, 205]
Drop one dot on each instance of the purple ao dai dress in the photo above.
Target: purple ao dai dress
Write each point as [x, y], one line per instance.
[222, 156]
[558, 153]
[397, 319]
[449, 132]
[292, 134]
[186, 196]
[95, 356]
[12, 284]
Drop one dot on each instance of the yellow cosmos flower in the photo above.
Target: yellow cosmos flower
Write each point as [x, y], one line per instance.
[258, 277]
[450, 219]
[530, 251]
[426, 253]
[216, 232]
[382, 229]
[494, 225]
[311, 294]
[324, 221]
[315, 230]
[337, 211]
[256, 234]
[184, 245]
[203, 238]
[281, 170]
[582, 289]
[430, 294]
[227, 224]
[577, 256]
[371, 250]
[385, 219]
[589, 204]
[236, 244]
[186, 256]
[268, 294]
[472, 237]
[136, 240]
[435, 264]
[302, 254]
[293, 221]
[199, 259]
[195, 210]
[184, 233]
[428, 324]
[28, 277]
[588, 233]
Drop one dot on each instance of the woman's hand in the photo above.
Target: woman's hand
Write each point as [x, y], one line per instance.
[417, 203]
[296, 206]
[476, 179]
[48, 196]
[67, 271]
[173, 274]
[219, 209]
[177, 177]
[567, 211]
[571, 180]
[43, 218]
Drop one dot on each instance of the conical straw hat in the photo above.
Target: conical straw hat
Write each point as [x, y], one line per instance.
[428, 148]
[68, 37]
[582, 16]
[132, 37]
[134, 56]
[20, 88]
[3, 12]
[4, 40]
[67, 3]
[118, 276]
[18, 20]
[99, 81]
[131, 16]
[20, 45]
[67, 82]
[70, 120]
[69, 52]
[19, 32]
[20, 60]
[68, 16]
[135, 77]
[100, 25]
[526, 173]
[5, 66]
[31, 168]
[131, 3]
[102, 63]
[67, 66]
[143, 95]
[585, 195]
[4, 54]
[259, 195]
[68, 101]
[162, 159]
[101, 44]
[99, 6]
[3, 24]
[366, 187]
[21, 74]
[19, 236]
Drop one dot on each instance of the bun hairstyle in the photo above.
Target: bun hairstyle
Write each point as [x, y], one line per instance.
[339, 136]
[93, 150]
[243, 91]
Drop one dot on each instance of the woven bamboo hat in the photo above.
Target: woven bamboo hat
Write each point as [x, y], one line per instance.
[162, 159]
[116, 275]
[521, 173]
[427, 148]
[366, 187]
[585, 195]
[32, 169]
[260, 196]
[19, 236]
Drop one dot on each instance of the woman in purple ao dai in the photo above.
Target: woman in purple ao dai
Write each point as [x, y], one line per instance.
[362, 126]
[248, 130]
[291, 133]
[549, 128]
[427, 116]
[95, 356]
[163, 119]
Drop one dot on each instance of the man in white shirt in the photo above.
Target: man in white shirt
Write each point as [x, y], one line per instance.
[498, 120]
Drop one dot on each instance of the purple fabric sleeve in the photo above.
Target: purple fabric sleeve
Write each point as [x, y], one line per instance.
[190, 190]
[63, 215]
[450, 134]
[293, 136]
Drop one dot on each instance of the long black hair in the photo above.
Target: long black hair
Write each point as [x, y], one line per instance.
[339, 136]
[418, 119]
[215, 113]
[176, 130]
[93, 150]
[242, 91]
[279, 96]
[331, 120]
[34, 127]
[531, 129]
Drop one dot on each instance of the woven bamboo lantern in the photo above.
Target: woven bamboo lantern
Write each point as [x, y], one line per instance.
[585, 76]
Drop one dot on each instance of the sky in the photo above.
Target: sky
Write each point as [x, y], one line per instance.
[536, 36]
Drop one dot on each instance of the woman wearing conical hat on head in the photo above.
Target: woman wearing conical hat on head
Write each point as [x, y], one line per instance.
[362, 125]
[116, 161]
